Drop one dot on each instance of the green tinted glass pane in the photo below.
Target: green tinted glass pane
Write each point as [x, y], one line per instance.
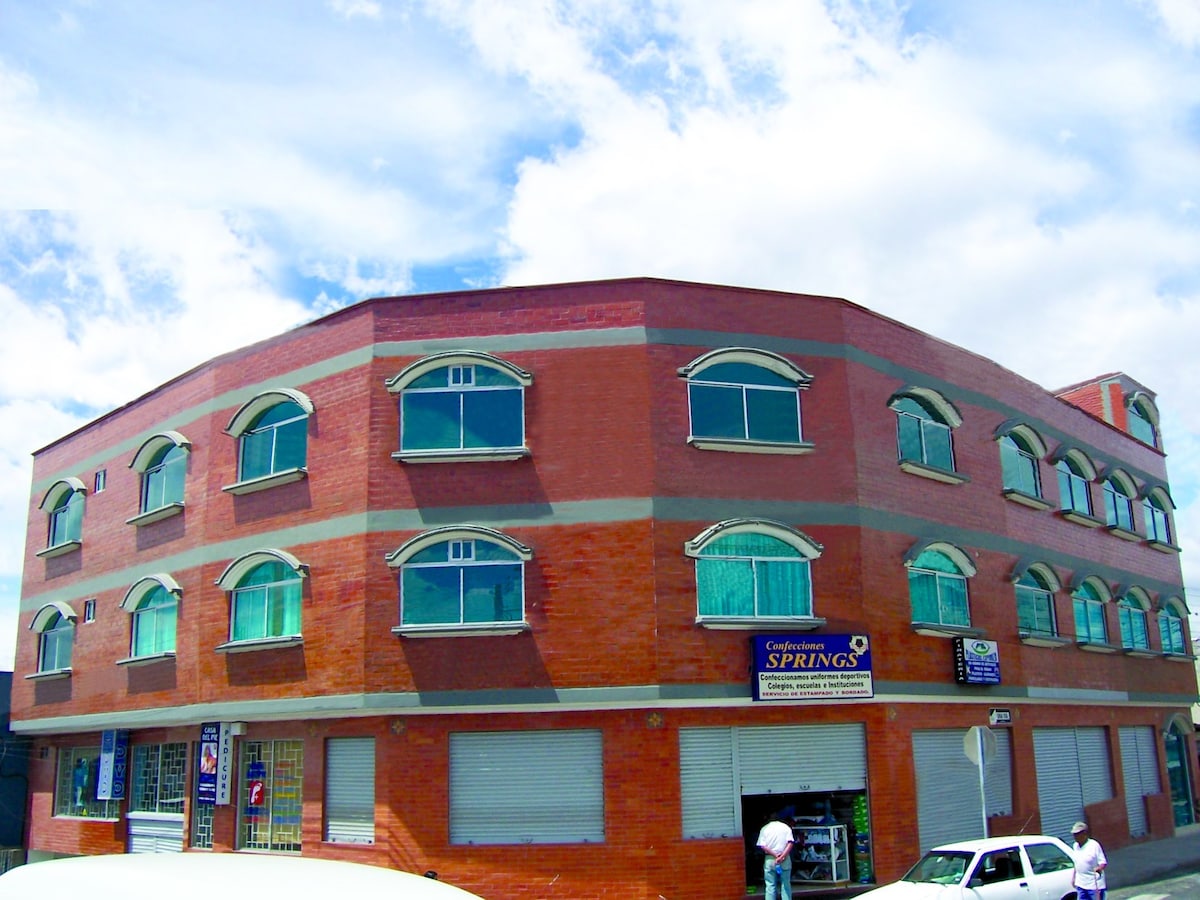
[725, 587]
[937, 445]
[717, 412]
[953, 601]
[783, 588]
[438, 378]
[1019, 469]
[486, 550]
[266, 573]
[922, 591]
[436, 553]
[485, 376]
[257, 451]
[430, 596]
[280, 412]
[291, 445]
[748, 543]
[283, 609]
[430, 421]
[249, 613]
[937, 561]
[908, 435]
[743, 373]
[1140, 426]
[773, 416]
[492, 593]
[493, 418]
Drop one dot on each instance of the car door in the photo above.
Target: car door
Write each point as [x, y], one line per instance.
[1050, 868]
[1000, 875]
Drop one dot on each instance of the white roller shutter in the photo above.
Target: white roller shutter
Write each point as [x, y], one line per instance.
[1139, 766]
[1060, 793]
[155, 832]
[997, 776]
[526, 787]
[801, 759]
[1095, 764]
[707, 786]
[949, 805]
[350, 790]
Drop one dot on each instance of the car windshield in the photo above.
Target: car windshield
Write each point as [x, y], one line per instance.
[940, 867]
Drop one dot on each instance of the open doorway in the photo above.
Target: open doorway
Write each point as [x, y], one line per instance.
[832, 836]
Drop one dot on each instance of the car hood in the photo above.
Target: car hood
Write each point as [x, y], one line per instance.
[914, 890]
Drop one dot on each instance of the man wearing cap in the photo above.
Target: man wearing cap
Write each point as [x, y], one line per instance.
[1090, 863]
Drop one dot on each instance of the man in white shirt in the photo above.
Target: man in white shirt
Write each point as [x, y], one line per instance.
[1090, 863]
[775, 841]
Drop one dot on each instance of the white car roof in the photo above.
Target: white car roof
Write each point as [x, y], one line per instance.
[997, 843]
[204, 875]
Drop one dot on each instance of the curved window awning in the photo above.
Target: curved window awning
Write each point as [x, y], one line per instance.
[1145, 403]
[1122, 478]
[56, 491]
[426, 364]
[143, 586]
[252, 409]
[773, 362]
[956, 554]
[1174, 604]
[244, 565]
[1081, 460]
[798, 540]
[1097, 584]
[152, 445]
[1157, 493]
[933, 401]
[44, 616]
[1043, 570]
[411, 547]
[1025, 431]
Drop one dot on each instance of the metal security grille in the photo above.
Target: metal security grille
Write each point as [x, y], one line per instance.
[159, 778]
[270, 794]
[75, 786]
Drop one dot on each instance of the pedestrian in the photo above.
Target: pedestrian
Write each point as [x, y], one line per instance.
[1090, 863]
[775, 841]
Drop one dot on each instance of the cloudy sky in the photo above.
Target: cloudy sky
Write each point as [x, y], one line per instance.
[1021, 178]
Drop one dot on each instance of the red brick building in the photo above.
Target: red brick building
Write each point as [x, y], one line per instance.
[559, 591]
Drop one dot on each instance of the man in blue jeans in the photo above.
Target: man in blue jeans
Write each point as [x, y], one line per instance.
[1090, 863]
[775, 841]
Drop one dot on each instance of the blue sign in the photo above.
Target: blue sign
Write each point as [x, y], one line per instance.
[113, 770]
[812, 667]
[976, 661]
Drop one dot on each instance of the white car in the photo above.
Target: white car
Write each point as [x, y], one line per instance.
[203, 876]
[1024, 867]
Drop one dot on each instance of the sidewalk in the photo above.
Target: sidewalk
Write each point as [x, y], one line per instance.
[1151, 860]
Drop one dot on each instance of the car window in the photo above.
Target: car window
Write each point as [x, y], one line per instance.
[940, 867]
[1045, 858]
[999, 865]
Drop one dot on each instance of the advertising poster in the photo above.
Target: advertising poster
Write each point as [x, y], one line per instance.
[215, 764]
[976, 661]
[113, 772]
[811, 667]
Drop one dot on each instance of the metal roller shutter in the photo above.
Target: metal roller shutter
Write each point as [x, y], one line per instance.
[526, 787]
[801, 759]
[1060, 792]
[949, 805]
[1095, 764]
[1139, 766]
[350, 790]
[707, 787]
[997, 776]
[155, 832]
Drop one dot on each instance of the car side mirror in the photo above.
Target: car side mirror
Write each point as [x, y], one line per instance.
[975, 881]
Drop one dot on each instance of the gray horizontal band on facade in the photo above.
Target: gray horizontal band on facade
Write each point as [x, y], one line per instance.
[582, 512]
[534, 700]
[570, 340]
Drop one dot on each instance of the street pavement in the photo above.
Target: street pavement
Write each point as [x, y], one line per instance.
[1150, 861]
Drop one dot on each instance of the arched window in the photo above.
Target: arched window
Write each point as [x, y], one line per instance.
[54, 624]
[266, 590]
[272, 435]
[459, 406]
[63, 505]
[752, 569]
[1035, 601]
[1118, 501]
[1021, 450]
[1170, 627]
[924, 421]
[153, 605]
[1074, 471]
[1155, 506]
[1131, 610]
[461, 578]
[1143, 419]
[161, 462]
[744, 399]
[937, 585]
[1088, 601]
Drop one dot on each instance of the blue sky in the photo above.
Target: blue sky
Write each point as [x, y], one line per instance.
[1019, 178]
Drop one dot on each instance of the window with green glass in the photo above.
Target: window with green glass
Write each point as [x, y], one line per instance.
[66, 519]
[922, 435]
[1090, 627]
[460, 582]
[266, 603]
[55, 643]
[162, 482]
[1170, 630]
[154, 621]
[1073, 487]
[1035, 605]
[749, 574]
[1134, 632]
[1158, 523]
[938, 590]
[276, 441]
[462, 407]
[1118, 505]
[1019, 465]
[740, 401]
[1141, 425]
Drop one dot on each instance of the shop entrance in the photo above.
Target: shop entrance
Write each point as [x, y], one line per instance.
[832, 837]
